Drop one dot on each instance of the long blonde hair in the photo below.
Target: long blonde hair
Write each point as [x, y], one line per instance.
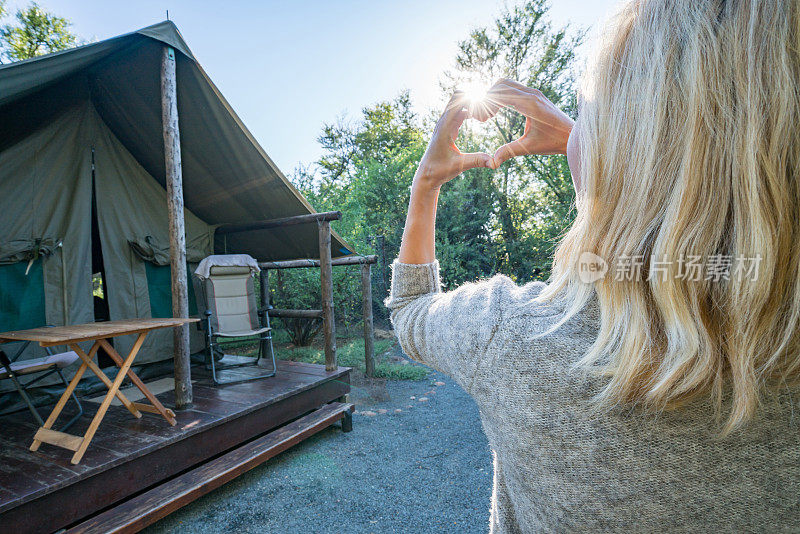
[690, 139]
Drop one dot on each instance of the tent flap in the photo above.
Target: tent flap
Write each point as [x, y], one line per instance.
[135, 242]
[27, 249]
[155, 251]
[45, 187]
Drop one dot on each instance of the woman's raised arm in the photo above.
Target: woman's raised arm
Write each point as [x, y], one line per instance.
[442, 162]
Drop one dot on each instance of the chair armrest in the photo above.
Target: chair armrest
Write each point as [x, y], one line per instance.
[263, 314]
[205, 321]
[19, 351]
[4, 361]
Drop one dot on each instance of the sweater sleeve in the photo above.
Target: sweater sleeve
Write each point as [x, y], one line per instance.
[449, 331]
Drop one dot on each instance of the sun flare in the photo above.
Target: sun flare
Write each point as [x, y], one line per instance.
[475, 91]
[475, 97]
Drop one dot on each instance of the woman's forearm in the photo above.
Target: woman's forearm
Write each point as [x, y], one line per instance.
[418, 245]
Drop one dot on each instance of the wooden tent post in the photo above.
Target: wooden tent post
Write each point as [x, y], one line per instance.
[177, 232]
[326, 282]
[366, 296]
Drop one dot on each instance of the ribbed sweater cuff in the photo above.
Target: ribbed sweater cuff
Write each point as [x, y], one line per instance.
[410, 280]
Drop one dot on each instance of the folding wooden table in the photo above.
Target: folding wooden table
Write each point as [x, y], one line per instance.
[99, 333]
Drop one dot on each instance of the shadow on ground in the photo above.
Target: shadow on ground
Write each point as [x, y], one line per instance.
[416, 461]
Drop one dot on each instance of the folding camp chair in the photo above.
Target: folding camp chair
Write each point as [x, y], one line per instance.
[226, 293]
[12, 369]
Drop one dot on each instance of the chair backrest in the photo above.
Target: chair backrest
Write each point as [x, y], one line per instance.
[229, 294]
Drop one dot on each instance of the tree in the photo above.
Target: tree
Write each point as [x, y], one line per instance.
[365, 172]
[534, 194]
[488, 221]
[35, 32]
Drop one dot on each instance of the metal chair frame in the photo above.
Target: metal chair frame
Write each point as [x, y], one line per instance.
[22, 389]
[213, 347]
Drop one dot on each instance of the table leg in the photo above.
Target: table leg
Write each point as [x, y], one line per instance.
[102, 376]
[156, 406]
[61, 403]
[101, 412]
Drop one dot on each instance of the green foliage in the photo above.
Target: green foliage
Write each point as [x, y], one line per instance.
[508, 220]
[534, 194]
[394, 371]
[365, 173]
[302, 331]
[35, 32]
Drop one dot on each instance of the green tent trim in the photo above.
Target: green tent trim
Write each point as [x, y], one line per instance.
[22, 298]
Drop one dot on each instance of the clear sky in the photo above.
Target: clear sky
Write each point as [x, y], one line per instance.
[287, 67]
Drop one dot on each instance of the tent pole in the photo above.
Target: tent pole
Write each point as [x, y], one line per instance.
[326, 282]
[177, 233]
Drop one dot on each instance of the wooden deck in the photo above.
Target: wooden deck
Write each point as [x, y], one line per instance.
[42, 492]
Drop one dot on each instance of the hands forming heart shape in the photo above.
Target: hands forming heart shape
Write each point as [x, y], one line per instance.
[547, 129]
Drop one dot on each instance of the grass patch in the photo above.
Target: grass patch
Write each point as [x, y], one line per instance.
[396, 371]
[349, 353]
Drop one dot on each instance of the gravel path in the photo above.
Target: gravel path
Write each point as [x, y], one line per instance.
[416, 461]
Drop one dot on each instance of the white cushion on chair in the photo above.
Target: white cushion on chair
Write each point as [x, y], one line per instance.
[36, 365]
[207, 266]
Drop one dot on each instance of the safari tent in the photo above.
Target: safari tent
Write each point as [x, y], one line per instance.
[111, 155]
[83, 186]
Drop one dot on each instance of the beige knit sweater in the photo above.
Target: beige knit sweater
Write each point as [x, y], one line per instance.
[559, 465]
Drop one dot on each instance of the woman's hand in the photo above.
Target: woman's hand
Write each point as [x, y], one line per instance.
[547, 128]
[443, 161]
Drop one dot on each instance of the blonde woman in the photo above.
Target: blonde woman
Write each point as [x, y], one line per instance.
[649, 386]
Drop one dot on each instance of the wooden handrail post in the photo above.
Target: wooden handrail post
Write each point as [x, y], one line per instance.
[326, 282]
[264, 289]
[366, 296]
[177, 232]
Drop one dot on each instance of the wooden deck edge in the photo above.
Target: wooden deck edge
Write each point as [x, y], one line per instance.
[154, 504]
[303, 368]
[75, 502]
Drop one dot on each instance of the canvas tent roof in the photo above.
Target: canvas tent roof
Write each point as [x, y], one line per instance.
[228, 177]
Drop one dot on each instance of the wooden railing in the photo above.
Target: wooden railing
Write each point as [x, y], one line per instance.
[326, 313]
[325, 264]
